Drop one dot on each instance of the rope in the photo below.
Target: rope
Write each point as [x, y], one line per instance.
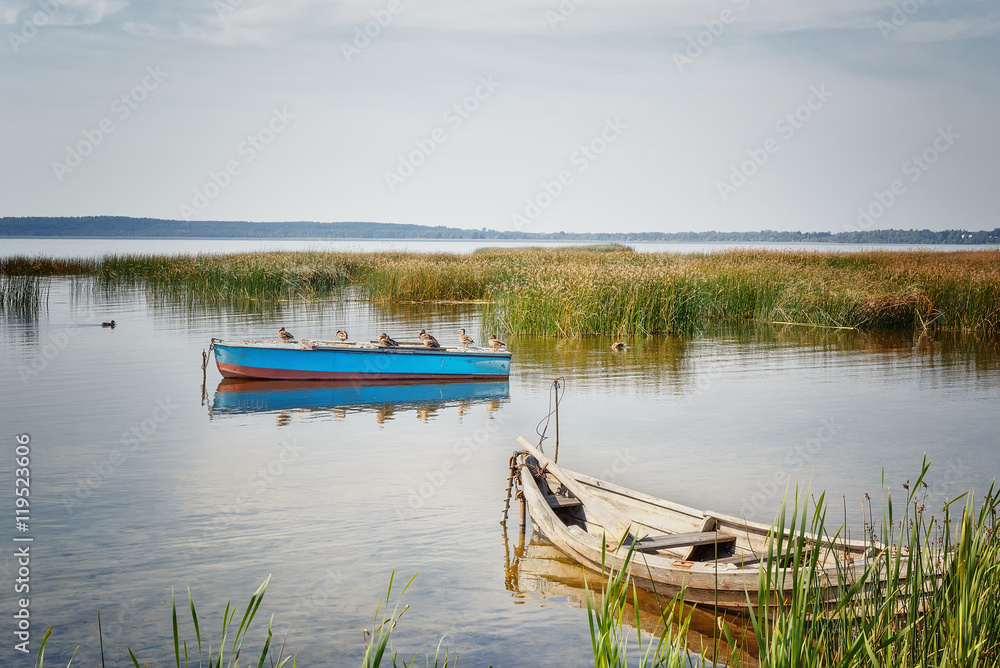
[552, 410]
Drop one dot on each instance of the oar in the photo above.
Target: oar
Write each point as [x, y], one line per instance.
[597, 509]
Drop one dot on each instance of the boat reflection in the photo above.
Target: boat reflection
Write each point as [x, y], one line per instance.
[337, 399]
[539, 571]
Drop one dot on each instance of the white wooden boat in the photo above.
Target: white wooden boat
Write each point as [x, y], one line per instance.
[715, 558]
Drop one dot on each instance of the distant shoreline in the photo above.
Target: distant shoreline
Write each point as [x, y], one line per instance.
[123, 227]
[832, 242]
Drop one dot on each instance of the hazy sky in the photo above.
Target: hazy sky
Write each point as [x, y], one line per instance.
[541, 115]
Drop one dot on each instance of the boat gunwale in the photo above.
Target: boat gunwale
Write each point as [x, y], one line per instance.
[329, 346]
[664, 504]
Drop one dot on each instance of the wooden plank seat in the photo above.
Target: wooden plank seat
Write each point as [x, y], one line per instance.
[558, 502]
[740, 560]
[677, 540]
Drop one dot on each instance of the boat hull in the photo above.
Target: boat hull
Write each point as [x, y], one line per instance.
[351, 362]
[723, 585]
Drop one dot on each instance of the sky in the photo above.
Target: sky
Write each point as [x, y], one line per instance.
[531, 115]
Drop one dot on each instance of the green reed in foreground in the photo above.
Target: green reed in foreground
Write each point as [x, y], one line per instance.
[931, 599]
[609, 289]
[609, 632]
[216, 656]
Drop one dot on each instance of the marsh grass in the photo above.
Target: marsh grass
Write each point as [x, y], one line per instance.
[378, 642]
[23, 297]
[227, 649]
[610, 290]
[931, 599]
[611, 625]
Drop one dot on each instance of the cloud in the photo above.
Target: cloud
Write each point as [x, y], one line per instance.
[949, 30]
[60, 12]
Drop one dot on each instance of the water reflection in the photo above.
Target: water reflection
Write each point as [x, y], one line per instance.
[335, 399]
[680, 367]
[540, 574]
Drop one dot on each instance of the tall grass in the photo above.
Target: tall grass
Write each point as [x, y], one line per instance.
[227, 649]
[23, 297]
[609, 622]
[609, 290]
[931, 599]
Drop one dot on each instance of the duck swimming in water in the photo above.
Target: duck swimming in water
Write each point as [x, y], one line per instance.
[465, 338]
[618, 346]
[109, 324]
[285, 335]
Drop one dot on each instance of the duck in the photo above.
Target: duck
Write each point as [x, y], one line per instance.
[385, 342]
[428, 340]
[109, 324]
[342, 335]
[496, 343]
[618, 346]
[285, 335]
[465, 338]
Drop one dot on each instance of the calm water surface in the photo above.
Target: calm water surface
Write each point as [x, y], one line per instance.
[143, 480]
[91, 247]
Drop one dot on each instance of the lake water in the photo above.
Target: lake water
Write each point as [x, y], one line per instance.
[90, 247]
[143, 480]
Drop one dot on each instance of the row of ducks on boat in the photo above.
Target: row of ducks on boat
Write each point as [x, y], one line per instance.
[429, 341]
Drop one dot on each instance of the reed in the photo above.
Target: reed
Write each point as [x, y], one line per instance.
[609, 622]
[378, 647]
[228, 650]
[930, 599]
[23, 297]
[606, 290]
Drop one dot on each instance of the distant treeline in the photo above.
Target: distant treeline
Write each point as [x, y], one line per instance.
[125, 227]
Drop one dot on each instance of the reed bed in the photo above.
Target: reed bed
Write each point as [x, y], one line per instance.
[604, 290]
[23, 297]
[931, 599]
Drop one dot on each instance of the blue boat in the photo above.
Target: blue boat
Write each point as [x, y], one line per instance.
[234, 396]
[333, 360]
